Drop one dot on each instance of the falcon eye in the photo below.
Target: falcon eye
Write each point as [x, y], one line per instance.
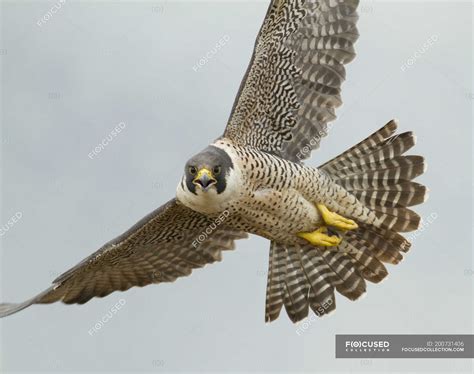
[216, 170]
[192, 170]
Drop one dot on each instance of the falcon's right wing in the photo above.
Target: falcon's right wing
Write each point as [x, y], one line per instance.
[293, 83]
[165, 245]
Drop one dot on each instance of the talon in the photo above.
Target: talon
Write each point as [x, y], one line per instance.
[320, 238]
[335, 220]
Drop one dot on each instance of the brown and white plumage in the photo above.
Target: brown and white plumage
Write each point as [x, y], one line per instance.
[293, 84]
[160, 248]
[252, 180]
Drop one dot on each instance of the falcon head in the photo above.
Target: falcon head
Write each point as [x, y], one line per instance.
[208, 171]
[210, 181]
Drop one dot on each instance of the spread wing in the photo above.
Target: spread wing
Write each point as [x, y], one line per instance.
[165, 245]
[293, 83]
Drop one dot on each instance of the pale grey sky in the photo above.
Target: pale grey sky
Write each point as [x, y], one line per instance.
[70, 78]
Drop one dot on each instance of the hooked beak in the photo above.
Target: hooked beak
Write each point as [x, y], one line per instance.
[204, 179]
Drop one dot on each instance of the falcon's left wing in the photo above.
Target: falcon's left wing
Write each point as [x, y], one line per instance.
[163, 246]
[292, 86]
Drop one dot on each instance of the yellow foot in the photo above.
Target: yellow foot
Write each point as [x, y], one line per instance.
[320, 238]
[335, 220]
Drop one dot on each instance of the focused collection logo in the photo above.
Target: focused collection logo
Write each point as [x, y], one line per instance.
[404, 346]
[367, 346]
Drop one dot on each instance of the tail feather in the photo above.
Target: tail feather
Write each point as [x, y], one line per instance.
[406, 194]
[398, 219]
[321, 295]
[369, 181]
[383, 178]
[380, 177]
[390, 148]
[276, 281]
[379, 236]
[348, 281]
[359, 150]
[297, 287]
[369, 267]
[311, 275]
[385, 251]
[400, 167]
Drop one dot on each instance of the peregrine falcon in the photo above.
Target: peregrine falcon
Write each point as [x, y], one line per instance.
[330, 228]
